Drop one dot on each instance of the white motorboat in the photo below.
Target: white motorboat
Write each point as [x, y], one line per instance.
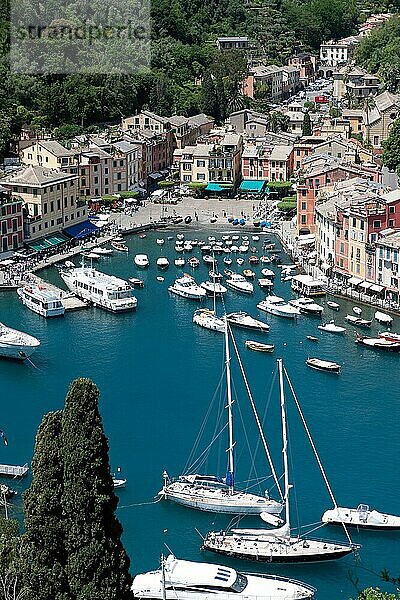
[307, 306]
[41, 300]
[220, 494]
[91, 255]
[234, 248]
[227, 261]
[141, 261]
[266, 283]
[119, 483]
[268, 273]
[333, 305]
[180, 236]
[205, 248]
[105, 291]
[236, 238]
[323, 365]
[357, 310]
[361, 517]
[187, 287]
[265, 260]
[162, 262]
[383, 318]
[209, 260]
[332, 328]
[358, 321]
[208, 319]
[378, 343]
[214, 275]
[279, 545]
[189, 580]
[194, 262]
[240, 261]
[102, 251]
[187, 247]
[160, 241]
[245, 321]
[212, 287]
[179, 262]
[239, 284]
[255, 238]
[178, 247]
[243, 248]
[277, 306]
[16, 344]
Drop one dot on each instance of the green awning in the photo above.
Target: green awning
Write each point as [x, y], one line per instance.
[48, 242]
[253, 185]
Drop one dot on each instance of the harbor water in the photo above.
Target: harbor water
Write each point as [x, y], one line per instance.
[158, 372]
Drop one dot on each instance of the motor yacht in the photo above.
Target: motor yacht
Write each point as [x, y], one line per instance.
[239, 283]
[187, 287]
[277, 306]
[41, 300]
[141, 261]
[16, 344]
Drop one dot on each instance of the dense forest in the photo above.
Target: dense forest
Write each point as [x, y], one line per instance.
[182, 51]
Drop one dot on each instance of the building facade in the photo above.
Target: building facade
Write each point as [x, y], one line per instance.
[11, 221]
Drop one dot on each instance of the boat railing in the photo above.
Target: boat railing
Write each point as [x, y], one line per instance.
[283, 579]
[183, 595]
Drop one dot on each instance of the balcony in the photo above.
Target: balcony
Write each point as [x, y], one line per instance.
[370, 248]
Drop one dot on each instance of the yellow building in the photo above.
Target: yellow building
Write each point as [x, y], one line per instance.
[51, 199]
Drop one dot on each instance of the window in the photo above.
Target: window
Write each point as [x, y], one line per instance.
[186, 178]
[187, 167]
[342, 247]
[72, 200]
[391, 209]
[376, 224]
[45, 208]
[391, 222]
[201, 176]
[303, 219]
[304, 206]
[376, 140]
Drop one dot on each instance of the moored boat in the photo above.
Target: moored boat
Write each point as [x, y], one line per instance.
[141, 261]
[16, 344]
[101, 289]
[383, 317]
[333, 305]
[245, 321]
[307, 306]
[358, 321]
[193, 262]
[277, 306]
[332, 328]
[248, 273]
[239, 284]
[361, 517]
[203, 581]
[208, 319]
[258, 346]
[120, 246]
[390, 336]
[213, 287]
[41, 300]
[323, 365]
[162, 262]
[378, 343]
[187, 287]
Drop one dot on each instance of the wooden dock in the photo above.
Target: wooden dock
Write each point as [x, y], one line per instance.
[13, 471]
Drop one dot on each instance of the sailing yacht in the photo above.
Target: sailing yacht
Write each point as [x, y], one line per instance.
[190, 580]
[218, 494]
[279, 545]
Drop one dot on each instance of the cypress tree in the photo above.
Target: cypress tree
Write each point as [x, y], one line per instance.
[208, 95]
[97, 564]
[45, 552]
[307, 130]
[220, 101]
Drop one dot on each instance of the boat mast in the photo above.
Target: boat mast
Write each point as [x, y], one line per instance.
[230, 473]
[284, 442]
[213, 278]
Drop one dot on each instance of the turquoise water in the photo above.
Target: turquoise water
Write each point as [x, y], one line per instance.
[157, 373]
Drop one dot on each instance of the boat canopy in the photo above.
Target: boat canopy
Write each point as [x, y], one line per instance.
[81, 230]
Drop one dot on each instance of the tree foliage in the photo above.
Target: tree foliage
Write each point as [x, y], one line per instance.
[306, 127]
[391, 151]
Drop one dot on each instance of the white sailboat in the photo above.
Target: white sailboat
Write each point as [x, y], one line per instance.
[216, 494]
[208, 318]
[189, 580]
[279, 545]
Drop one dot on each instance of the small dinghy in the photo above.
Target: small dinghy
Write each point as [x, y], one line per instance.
[102, 251]
[265, 283]
[120, 246]
[259, 347]
[160, 241]
[194, 262]
[254, 260]
[179, 262]
[357, 321]
[323, 365]
[69, 264]
[240, 261]
[357, 310]
[141, 261]
[160, 278]
[361, 517]
[162, 263]
[227, 261]
[333, 305]
[331, 328]
[248, 273]
[268, 273]
[312, 338]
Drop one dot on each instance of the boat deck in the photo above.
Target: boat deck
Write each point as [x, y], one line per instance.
[70, 301]
[13, 470]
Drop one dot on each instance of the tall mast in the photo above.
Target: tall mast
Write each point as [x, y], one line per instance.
[284, 442]
[230, 473]
[214, 271]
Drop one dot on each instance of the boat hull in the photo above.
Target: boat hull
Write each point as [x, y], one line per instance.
[184, 294]
[226, 505]
[38, 307]
[281, 558]
[17, 352]
[238, 288]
